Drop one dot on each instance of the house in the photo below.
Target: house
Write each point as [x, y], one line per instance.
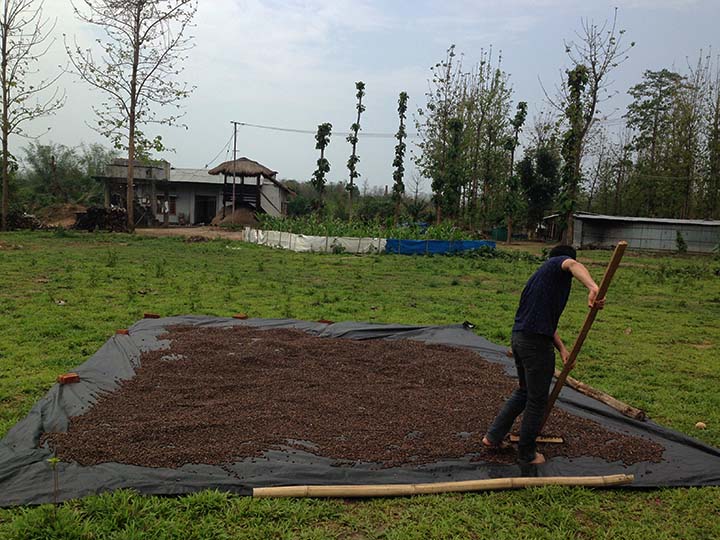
[195, 196]
[653, 234]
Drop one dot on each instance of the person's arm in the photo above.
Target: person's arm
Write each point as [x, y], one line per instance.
[581, 273]
[560, 346]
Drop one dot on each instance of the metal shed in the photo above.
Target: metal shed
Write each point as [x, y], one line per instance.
[654, 234]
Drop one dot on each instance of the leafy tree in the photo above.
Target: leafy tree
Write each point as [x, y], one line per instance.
[711, 195]
[453, 182]
[56, 174]
[23, 41]
[539, 176]
[572, 147]
[651, 117]
[143, 50]
[353, 140]
[399, 161]
[480, 100]
[322, 139]
[432, 123]
[513, 198]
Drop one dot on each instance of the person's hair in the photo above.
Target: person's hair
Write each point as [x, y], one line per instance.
[568, 251]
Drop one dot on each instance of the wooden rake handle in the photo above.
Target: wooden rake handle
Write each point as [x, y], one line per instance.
[589, 319]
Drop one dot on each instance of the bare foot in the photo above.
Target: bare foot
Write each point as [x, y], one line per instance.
[538, 460]
[491, 446]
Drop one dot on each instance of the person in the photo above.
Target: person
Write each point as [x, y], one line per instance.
[533, 336]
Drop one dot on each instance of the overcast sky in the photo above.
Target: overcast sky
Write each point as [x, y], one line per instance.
[294, 64]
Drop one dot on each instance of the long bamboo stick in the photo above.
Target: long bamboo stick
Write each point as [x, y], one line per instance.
[589, 319]
[396, 490]
[607, 399]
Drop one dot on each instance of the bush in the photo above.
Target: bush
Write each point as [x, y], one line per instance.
[680, 242]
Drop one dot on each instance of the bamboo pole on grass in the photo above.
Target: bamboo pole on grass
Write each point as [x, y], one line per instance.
[399, 490]
[589, 319]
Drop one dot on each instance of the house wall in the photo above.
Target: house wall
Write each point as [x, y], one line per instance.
[185, 194]
[273, 194]
[646, 235]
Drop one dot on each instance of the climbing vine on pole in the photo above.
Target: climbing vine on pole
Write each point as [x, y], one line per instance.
[323, 165]
[353, 140]
[398, 162]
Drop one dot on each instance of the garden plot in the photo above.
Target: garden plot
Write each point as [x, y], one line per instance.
[181, 404]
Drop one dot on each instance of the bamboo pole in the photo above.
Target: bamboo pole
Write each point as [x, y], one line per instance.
[396, 490]
[589, 319]
[620, 406]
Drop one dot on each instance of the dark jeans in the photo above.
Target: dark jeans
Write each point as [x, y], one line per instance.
[535, 362]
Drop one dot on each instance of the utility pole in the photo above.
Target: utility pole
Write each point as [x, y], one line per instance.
[235, 125]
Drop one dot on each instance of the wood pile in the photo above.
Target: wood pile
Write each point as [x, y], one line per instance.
[112, 219]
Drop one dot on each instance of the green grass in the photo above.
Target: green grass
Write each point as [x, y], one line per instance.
[654, 346]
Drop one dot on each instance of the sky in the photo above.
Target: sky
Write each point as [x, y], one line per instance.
[294, 63]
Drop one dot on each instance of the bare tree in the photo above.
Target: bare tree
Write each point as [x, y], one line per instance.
[596, 52]
[24, 39]
[141, 57]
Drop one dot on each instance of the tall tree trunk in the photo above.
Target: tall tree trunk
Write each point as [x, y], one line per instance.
[131, 126]
[5, 134]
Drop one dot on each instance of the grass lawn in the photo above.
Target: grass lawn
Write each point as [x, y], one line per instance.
[655, 346]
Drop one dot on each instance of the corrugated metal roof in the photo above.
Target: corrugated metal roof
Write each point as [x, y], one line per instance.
[201, 176]
[601, 217]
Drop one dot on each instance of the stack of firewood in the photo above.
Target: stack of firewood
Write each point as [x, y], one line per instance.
[104, 219]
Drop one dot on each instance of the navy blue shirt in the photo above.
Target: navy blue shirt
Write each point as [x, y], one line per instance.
[544, 298]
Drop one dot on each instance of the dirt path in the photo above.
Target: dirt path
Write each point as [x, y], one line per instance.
[186, 232]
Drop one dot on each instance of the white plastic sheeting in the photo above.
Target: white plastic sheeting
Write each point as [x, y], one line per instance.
[315, 244]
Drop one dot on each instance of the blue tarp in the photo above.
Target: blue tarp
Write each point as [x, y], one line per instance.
[434, 247]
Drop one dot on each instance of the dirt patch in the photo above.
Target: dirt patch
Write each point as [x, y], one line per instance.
[219, 395]
[60, 215]
[241, 216]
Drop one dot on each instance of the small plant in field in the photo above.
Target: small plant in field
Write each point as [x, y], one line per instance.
[680, 243]
[54, 461]
[160, 268]
[112, 259]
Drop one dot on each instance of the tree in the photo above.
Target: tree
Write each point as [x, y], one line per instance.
[572, 148]
[598, 51]
[142, 55]
[652, 116]
[480, 100]
[712, 184]
[539, 171]
[24, 37]
[512, 201]
[322, 139]
[453, 181]
[399, 161]
[353, 140]
[56, 174]
[433, 124]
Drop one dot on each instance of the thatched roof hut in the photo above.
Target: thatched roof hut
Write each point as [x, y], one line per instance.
[243, 167]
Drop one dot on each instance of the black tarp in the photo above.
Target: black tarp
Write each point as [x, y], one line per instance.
[26, 476]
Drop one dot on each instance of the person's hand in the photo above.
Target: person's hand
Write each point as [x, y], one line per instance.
[594, 301]
[565, 355]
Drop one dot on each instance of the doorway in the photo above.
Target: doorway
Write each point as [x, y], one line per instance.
[205, 208]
